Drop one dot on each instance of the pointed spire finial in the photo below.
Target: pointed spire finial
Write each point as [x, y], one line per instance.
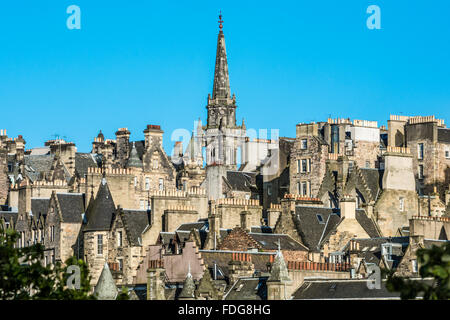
[220, 20]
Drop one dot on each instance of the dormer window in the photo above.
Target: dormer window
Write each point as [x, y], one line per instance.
[390, 249]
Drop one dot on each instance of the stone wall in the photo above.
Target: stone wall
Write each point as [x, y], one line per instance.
[387, 210]
[94, 261]
[230, 210]
[317, 154]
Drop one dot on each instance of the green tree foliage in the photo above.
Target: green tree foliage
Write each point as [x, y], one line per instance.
[23, 275]
[123, 294]
[435, 264]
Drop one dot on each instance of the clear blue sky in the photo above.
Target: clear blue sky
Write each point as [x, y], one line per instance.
[135, 63]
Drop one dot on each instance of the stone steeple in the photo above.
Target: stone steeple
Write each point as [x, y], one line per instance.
[221, 87]
[188, 291]
[279, 271]
[106, 288]
[279, 284]
[133, 160]
[221, 106]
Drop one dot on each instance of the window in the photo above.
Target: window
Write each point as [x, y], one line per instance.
[52, 233]
[402, 204]
[298, 187]
[100, 244]
[447, 154]
[304, 188]
[304, 165]
[367, 164]
[10, 167]
[304, 144]
[135, 181]
[120, 264]
[161, 184]
[298, 166]
[320, 219]
[147, 183]
[46, 260]
[155, 164]
[420, 171]
[269, 189]
[119, 238]
[420, 151]
[414, 265]
[142, 204]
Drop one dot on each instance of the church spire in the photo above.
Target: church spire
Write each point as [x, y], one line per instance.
[221, 87]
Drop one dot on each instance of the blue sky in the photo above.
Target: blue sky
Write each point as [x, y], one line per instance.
[135, 63]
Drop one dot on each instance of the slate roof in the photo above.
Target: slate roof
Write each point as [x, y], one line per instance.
[106, 288]
[373, 178]
[134, 160]
[222, 258]
[248, 289]
[370, 249]
[342, 289]
[37, 164]
[39, 206]
[135, 222]
[367, 223]
[9, 216]
[100, 213]
[193, 225]
[261, 229]
[313, 231]
[269, 241]
[140, 147]
[241, 181]
[83, 161]
[72, 206]
[428, 243]
[444, 135]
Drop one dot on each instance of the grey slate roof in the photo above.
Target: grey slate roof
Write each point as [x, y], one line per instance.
[100, 213]
[373, 178]
[134, 160]
[140, 147]
[248, 289]
[428, 243]
[370, 249]
[269, 241]
[106, 288]
[72, 206]
[444, 135]
[83, 161]
[222, 258]
[188, 290]
[39, 206]
[9, 216]
[367, 224]
[342, 289]
[311, 229]
[135, 222]
[241, 181]
[37, 164]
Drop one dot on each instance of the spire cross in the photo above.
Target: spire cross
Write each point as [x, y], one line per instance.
[220, 20]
